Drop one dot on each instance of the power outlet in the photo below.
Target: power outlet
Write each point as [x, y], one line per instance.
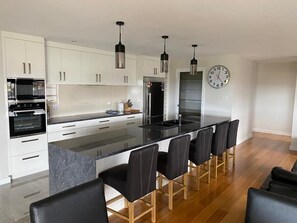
[55, 106]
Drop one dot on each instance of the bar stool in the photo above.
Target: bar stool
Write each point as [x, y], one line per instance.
[231, 140]
[199, 154]
[218, 148]
[83, 203]
[134, 181]
[174, 164]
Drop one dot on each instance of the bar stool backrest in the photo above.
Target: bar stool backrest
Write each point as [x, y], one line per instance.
[178, 156]
[203, 146]
[141, 173]
[219, 141]
[232, 133]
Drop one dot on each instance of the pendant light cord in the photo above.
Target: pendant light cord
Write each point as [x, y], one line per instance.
[120, 34]
[194, 51]
[164, 45]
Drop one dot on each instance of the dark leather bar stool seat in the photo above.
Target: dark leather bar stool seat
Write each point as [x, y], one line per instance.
[83, 203]
[199, 154]
[219, 142]
[231, 140]
[174, 164]
[134, 181]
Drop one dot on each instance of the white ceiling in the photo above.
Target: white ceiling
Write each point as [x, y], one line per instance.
[257, 29]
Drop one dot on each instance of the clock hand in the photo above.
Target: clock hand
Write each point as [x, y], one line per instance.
[218, 76]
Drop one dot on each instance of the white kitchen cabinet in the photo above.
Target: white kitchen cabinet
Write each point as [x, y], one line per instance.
[149, 66]
[96, 68]
[125, 76]
[24, 58]
[63, 66]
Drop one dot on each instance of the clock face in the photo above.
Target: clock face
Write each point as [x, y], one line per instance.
[218, 76]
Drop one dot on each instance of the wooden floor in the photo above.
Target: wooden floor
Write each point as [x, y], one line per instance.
[224, 199]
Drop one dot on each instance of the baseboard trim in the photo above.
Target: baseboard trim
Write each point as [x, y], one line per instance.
[242, 139]
[271, 132]
[5, 180]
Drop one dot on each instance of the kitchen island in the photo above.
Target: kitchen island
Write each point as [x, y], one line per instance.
[75, 161]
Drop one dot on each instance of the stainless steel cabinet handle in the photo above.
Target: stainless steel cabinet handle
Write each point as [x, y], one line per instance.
[29, 140]
[68, 126]
[60, 75]
[106, 127]
[70, 133]
[31, 157]
[130, 123]
[130, 117]
[103, 121]
[64, 73]
[127, 79]
[24, 67]
[99, 77]
[29, 68]
[96, 77]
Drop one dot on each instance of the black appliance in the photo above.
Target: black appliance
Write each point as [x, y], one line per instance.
[25, 89]
[27, 118]
[153, 101]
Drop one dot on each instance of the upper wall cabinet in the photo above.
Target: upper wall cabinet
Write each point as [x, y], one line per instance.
[96, 68]
[149, 66]
[63, 66]
[24, 55]
[125, 76]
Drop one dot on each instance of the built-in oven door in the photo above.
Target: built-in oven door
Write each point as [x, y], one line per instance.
[27, 122]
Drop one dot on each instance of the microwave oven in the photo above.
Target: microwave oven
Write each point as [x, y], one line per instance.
[25, 89]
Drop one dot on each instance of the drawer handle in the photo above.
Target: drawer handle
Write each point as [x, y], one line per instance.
[103, 121]
[31, 157]
[130, 117]
[31, 195]
[29, 140]
[130, 123]
[68, 126]
[70, 133]
[107, 127]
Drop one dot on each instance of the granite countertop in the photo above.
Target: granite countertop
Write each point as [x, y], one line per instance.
[74, 118]
[110, 143]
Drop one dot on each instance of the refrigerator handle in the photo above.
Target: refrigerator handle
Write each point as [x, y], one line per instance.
[149, 103]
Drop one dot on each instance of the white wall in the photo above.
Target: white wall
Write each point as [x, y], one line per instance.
[233, 101]
[80, 99]
[4, 166]
[275, 89]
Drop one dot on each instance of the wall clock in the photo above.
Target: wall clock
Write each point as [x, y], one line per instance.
[218, 76]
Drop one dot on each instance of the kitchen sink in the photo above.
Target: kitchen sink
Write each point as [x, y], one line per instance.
[174, 122]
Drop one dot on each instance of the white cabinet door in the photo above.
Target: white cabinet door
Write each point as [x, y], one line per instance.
[151, 67]
[70, 66]
[89, 68]
[131, 71]
[54, 65]
[105, 69]
[15, 55]
[35, 59]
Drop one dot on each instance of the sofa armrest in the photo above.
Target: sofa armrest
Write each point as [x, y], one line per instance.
[285, 176]
[283, 189]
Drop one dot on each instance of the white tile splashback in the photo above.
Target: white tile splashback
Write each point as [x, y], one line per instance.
[80, 99]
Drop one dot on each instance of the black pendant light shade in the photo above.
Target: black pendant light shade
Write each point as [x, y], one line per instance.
[194, 63]
[120, 49]
[164, 58]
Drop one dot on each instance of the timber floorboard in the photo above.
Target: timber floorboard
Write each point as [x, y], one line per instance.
[224, 199]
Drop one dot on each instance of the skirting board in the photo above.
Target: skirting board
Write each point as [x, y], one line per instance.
[5, 180]
[271, 132]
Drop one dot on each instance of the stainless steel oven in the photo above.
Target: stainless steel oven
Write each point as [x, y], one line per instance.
[25, 89]
[27, 118]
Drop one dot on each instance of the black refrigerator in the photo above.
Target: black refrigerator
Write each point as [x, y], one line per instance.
[153, 101]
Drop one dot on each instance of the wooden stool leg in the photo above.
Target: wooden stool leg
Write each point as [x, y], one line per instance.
[131, 212]
[170, 194]
[224, 162]
[227, 158]
[216, 166]
[126, 203]
[185, 178]
[160, 181]
[197, 176]
[153, 202]
[208, 177]
[234, 155]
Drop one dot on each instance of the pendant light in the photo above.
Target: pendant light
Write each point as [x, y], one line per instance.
[164, 58]
[120, 49]
[194, 62]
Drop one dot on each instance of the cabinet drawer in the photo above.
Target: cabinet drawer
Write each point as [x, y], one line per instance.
[62, 135]
[29, 144]
[61, 127]
[28, 164]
